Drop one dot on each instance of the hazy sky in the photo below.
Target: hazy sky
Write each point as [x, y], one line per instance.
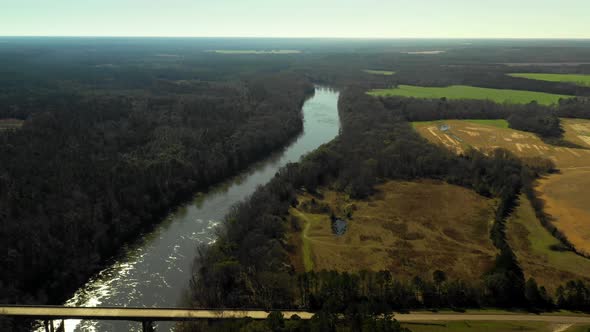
[298, 18]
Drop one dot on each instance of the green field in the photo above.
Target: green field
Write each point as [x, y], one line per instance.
[306, 247]
[470, 92]
[498, 123]
[256, 51]
[582, 80]
[466, 326]
[379, 72]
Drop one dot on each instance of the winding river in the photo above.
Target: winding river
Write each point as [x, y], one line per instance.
[154, 271]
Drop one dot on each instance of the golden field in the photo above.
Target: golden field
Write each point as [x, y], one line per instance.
[408, 228]
[532, 244]
[464, 134]
[566, 195]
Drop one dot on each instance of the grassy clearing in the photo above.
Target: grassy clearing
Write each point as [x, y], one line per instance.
[577, 131]
[256, 51]
[578, 328]
[461, 135]
[565, 194]
[424, 52]
[532, 244]
[379, 72]
[490, 327]
[307, 260]
[500, 123]
[408, 228]
[566, 200]
[496, 311]
[582, 80]
[470, 92]
[9, 124]
[307, 220]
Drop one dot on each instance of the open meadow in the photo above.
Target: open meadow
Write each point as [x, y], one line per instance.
[567, 198]
[582, 80]
[566, 195]
[461, 135]
[532, 244]
[408, 228]
[471, 92]
[379, 72]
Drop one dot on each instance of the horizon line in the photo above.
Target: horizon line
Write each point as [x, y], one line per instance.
[300, 37]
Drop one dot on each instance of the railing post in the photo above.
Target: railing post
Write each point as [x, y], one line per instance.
[51, 328]
[46, 323]
[62, 326]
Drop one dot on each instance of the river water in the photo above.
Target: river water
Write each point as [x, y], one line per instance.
[155, 270]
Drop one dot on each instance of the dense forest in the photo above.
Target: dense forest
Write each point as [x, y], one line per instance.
[488, 76]
[113, 165]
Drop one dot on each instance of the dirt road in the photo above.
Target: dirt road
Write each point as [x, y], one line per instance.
[550, 318]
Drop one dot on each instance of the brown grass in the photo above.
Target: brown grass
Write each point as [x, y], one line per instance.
[409, 228]
[463, 135]
[567, 200]
[577, 131]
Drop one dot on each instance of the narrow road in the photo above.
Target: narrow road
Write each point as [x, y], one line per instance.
[549, 318]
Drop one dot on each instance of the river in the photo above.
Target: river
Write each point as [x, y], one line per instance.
[154, 271]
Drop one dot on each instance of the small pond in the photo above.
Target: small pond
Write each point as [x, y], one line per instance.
[339, 227]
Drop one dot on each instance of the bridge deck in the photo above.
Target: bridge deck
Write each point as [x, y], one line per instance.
[178, 314]
[137, 314]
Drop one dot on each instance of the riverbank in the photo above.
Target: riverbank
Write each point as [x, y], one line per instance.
[154, 270]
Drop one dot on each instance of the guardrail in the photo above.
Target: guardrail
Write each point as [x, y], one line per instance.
[147, 316]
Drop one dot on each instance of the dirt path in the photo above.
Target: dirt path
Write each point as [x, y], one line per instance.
[306, 248]
[562, 327]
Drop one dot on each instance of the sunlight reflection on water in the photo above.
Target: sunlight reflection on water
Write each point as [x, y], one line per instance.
[154, 271]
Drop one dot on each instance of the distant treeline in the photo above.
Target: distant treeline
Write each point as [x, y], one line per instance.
[532, 117]
[365, 300]
[87, 173]
[355, 320]
[248, 265]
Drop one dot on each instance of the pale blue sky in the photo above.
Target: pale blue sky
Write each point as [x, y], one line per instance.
[302, 18]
